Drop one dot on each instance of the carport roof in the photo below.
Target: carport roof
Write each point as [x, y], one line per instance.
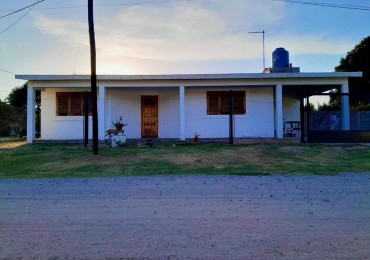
[194, 76]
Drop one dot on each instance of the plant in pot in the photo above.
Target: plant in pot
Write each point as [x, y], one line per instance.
[196, 138]
[118, 123]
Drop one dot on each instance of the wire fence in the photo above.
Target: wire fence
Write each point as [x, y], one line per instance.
[343, 118]
[332, 121]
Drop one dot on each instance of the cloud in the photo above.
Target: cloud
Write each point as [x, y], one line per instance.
[189, 31]
[203, 30]
[312, 44]
[3, 47]
[71, 32]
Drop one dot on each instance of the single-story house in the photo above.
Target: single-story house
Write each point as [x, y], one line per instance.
[177, 106]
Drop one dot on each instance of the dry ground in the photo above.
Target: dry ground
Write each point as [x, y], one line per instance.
[195, 217]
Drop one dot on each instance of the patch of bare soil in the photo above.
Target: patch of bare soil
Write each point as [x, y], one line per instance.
[293, 149]
[216, 159]
[345, 148]
[11, 144]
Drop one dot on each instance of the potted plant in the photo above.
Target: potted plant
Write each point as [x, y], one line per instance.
[196, 138]
[119, 124]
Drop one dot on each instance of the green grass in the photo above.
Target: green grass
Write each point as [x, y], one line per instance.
[20, 160]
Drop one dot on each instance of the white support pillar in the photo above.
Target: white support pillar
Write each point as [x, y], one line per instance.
[101, 112]
[279, 124]
[182, 112]
[346, 125]
[30, 113]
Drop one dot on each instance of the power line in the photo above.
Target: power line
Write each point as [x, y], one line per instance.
[7, 71]
[17, 20]
[351, 7]
[16, 11]
[108, 5]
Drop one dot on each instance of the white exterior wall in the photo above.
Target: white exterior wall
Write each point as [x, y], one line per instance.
[127, 102]
[55, 127]
[291, 108]
[257, 122]
[123, 98]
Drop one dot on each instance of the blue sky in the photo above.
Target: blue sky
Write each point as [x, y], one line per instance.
[167, 37]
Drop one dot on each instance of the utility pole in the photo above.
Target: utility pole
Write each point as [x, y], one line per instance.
[93, 77]
[263, 44]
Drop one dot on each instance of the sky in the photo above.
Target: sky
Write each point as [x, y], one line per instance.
[174, 37]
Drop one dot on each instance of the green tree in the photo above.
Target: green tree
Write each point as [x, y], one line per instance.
[358, 59]
[5, 113]
[17, 98]
[334, 104]
[12, 119]
[310, 107]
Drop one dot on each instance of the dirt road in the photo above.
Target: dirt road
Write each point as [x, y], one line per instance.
[202, 217]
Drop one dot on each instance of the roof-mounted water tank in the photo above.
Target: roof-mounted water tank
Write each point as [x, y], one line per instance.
[280, 58]
[280, 63]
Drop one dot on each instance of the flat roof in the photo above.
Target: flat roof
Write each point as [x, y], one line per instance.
[193, 76]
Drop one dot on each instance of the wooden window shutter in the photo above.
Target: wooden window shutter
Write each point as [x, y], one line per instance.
[225, 103]
[218, 102]
[62, 104]
[213, 103]
[75, 104]
[239, 102]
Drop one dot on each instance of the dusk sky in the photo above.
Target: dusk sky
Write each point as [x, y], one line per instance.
[171, 37]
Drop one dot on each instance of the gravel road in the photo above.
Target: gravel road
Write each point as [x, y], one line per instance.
[198, 217]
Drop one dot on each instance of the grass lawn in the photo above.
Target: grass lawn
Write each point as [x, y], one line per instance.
[20, 160]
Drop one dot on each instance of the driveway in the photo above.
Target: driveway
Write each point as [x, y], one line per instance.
[202, 217]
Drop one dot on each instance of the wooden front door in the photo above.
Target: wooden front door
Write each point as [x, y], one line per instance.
[149, 116]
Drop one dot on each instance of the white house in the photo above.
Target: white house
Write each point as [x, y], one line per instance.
[176, 106]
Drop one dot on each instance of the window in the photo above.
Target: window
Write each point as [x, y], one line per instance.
[71, 103]
[218, 102]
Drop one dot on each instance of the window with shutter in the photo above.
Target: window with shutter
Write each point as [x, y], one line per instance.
[212, 103]
[62, 104]
[218, 102]
[75, 104]
[224, 106]
[71, 103]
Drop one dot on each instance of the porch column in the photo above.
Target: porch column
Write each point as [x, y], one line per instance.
[279, 111]
[30, 113]
[182, 112]
[101, 112]
[346, 125]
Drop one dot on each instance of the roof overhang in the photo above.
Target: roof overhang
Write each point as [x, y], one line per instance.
[255, 76]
